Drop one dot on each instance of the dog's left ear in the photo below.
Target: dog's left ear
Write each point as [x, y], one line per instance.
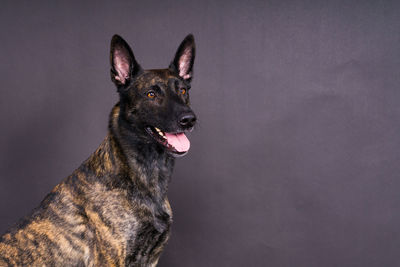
[184, 58]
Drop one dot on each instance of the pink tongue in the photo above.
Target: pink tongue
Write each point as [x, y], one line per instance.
[178, 141]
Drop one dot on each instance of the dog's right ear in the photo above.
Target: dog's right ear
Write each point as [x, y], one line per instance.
[123, 63]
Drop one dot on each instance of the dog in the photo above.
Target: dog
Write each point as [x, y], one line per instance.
[113, 210]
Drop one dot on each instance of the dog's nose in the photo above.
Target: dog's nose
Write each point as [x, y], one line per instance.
[187, 121]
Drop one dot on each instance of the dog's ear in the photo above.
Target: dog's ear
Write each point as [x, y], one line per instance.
[123, 63]
[184, 58]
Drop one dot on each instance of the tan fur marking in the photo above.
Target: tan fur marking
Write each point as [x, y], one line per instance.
[105, 233]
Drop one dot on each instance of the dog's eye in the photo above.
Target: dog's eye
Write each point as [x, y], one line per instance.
[183, 91]
[151, 94]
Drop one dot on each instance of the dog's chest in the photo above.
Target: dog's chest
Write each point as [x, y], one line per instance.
[137, 230]
[151, 234]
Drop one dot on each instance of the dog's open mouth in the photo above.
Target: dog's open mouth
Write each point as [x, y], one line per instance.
[176, 143]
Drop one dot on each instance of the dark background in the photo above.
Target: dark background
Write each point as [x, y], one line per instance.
[295, 161]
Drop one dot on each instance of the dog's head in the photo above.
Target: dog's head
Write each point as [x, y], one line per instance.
[154, 104]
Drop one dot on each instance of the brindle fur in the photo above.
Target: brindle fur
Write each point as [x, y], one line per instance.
[113, 210]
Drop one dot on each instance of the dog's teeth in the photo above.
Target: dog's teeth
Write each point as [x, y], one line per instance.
[159, 131]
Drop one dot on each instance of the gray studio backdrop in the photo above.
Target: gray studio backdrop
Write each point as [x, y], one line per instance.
[295, 161]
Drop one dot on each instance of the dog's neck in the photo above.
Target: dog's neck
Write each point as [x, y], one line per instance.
[123, 155]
